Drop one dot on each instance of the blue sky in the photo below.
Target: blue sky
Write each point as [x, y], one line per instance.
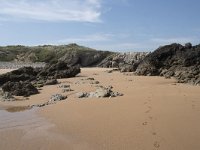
[120, 25]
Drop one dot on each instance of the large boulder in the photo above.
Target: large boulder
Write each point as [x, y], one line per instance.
[22, 74]
[20, 88]
[59, 70]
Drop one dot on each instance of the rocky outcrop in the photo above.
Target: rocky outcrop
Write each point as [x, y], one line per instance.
[175, 60]
[42, 75]
[19, 88]
[58, 71]
[84, 58]
[23, 82]
[22, 74]
[126, 62]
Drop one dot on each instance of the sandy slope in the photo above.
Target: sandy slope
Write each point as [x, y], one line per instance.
[153, 114]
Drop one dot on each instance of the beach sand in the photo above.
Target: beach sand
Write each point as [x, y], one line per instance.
[154, 113]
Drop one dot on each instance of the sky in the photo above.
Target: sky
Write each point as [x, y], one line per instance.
[118, 25]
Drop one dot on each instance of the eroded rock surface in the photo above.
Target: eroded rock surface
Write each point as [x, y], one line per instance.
[175, 60]
[23, 82]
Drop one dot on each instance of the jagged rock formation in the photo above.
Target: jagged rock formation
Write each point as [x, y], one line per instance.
[84, 59]
[22, 82]
[19, 88]
[126, 62]
[175, 60]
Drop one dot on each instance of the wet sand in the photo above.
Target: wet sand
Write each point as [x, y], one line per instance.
[154, 113]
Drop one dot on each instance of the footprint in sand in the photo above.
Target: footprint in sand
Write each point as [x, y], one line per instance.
[150, 117]
[144, 123]
[154, 133]
[156, 144]
[145, 103]
[147, 111]
[150, 108]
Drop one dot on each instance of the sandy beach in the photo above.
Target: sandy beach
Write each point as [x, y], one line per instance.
[154, 114]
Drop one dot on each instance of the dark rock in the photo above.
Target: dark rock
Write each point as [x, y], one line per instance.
[22, 74]
[188, 45]
[64, 86]
[175, 60]
[94, 82]
[66, 90]
[20, 88]
[115, 64]
[23, 82]
[59, 70]
[127, 68]
[90, 79]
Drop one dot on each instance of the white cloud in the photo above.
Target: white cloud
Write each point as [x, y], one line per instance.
[88, 38]
[51, 10]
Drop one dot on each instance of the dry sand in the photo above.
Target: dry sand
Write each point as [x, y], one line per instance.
[154, 113]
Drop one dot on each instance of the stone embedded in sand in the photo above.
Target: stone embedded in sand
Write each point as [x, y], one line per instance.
[101, 92]
[66, 90]
[64, 86]
[82, 94]
[94, 82]
[90, 79]
[57, 97]
[105, 92]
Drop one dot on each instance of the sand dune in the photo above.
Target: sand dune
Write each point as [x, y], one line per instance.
[154, 113]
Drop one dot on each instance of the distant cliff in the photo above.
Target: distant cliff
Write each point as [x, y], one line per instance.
[72, 54]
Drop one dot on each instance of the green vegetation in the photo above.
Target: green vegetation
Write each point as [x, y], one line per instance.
[45, 53]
